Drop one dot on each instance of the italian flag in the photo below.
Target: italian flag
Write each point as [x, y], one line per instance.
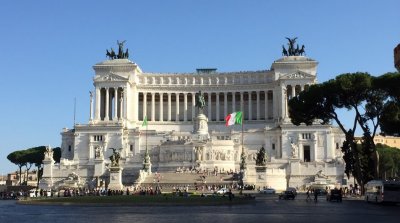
[144, 121]
[234, 118]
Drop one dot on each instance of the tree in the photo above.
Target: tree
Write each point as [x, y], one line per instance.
[32, 156]
[17, 157]
[390, 121]
[389, 164]
[358, 92]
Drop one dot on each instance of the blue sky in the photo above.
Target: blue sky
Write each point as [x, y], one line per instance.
[48, 48]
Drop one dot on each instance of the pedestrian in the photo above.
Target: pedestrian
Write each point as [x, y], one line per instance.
[315, 195]
[308, 195]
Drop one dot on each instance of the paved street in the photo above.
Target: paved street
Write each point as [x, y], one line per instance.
[267, 208]
[351, 209]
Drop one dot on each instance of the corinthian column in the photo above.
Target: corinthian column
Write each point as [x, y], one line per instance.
[217, 105]
[193, 105]
[107, 118]
[185, 107]
[115, 117]
[169, 107]
[177, 107]
[153, 104]
[97, 111]
[144, 105]
[161, 107]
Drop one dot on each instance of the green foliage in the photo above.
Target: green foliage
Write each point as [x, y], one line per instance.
[359, 92]
[390, 120]
[389, 162]
[261, 159]
[32, 156]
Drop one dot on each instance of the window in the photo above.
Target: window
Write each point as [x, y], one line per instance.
[306, 135]
[273, 146]
[131, 147]
[97, 138]
[307, 154]
[69, 148]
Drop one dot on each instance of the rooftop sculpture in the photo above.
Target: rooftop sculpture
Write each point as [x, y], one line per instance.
[121, 54]
[292, 51]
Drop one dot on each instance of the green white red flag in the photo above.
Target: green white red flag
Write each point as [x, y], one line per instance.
[234, 118]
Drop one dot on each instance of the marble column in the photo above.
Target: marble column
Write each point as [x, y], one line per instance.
[153, 105]
[121, 105]
[161, 107]
[177, 107]
[97, 111]
[217, 106]
[115, 115]
[107, 118]
[169, 107]
[144, 105]
[185, 107]
[193, 105]
[293, 91]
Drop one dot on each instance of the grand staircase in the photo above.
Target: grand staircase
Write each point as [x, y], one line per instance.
[169, 180]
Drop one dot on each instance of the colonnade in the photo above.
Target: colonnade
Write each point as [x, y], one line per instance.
[159, 106]
[109, 103]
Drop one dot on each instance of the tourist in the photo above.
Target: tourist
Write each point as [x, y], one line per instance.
[308, 195]
[315, 195]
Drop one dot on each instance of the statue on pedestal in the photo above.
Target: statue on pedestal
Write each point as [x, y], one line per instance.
[98, 152]
[114, 158]
[200, 102]
[48, 154]
[295, 150]
[261, 159]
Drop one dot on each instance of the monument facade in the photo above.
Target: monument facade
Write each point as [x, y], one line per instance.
[186, 127]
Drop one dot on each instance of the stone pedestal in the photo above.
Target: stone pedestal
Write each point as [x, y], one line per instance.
[200, 128]
[261, 172]
[115, 178]
[47, 178]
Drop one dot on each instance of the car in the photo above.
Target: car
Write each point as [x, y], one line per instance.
[222, 191]
[334, 195]
[320, 192]
[293, 190]
[287, 195]
[267, 191]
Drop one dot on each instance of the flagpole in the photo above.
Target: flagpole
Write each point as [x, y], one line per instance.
[242, 159]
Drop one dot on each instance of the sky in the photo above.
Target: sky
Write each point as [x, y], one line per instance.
[48, 48]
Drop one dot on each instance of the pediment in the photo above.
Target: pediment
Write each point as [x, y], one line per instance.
[110, 77]
[297, 75]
